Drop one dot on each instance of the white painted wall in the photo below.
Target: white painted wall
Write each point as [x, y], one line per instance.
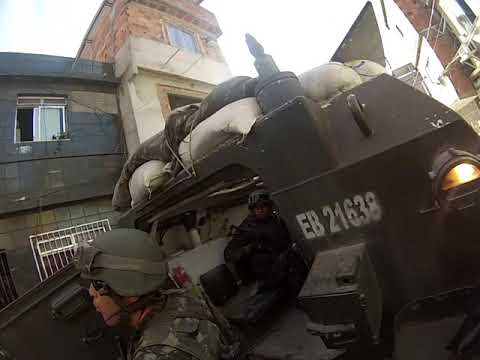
[146, 106]
[145, 101]
[156, 56]
[402, 49]
[143, 65]
[440, 87]
[399, 49]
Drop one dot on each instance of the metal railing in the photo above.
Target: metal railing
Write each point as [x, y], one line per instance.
[8, 292]
[54, 250]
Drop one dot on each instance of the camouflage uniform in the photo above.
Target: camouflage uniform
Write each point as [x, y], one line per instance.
[127, 263]
[182, 330]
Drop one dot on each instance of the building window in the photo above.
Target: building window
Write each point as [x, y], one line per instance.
[182, 39]
[177, 101]
[40, 119]
[469, 13]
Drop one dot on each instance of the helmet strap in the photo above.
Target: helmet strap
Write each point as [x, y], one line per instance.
[140, 305]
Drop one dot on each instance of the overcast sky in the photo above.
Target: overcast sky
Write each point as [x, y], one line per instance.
[300, 34]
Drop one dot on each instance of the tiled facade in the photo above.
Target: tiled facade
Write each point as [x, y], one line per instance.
[16, 229]
[48, 185]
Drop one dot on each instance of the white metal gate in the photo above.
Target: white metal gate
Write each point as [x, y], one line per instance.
[54, 250]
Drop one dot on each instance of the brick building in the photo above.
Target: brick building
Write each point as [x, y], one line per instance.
[442, 38]
[450, 28]
[164, 51]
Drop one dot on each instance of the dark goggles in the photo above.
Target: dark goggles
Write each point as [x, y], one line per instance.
[101, 287]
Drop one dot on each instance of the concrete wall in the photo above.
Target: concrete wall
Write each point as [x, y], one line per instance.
[84, 166]
[145, 104]
[16, 229]
[156, 56]
[150, 71]
[469, 108]
[134, 34]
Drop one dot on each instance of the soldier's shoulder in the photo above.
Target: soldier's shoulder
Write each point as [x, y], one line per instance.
[161, 352]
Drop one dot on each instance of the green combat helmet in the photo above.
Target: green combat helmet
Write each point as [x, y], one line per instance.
[127, 260]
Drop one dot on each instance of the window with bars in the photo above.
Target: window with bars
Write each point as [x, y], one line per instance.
[40, 119]
[182, 39]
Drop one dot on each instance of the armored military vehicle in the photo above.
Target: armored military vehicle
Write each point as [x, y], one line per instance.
[379, 188]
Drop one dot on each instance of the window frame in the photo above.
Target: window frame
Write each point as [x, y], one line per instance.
[173, 94]
[163, 90]
[191, 33]
[42, 105]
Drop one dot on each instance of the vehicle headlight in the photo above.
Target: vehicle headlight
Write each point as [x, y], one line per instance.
[460, 174]
[454, 173]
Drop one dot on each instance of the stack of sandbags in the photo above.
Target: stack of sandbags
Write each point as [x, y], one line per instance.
[157, 147]
[366, 69]
[227, 123]
[147, 178]
[180, 122]
[326, 81]
[178, 126]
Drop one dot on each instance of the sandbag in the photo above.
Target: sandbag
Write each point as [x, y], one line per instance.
[158, 147]
[147, 178]
[366, 69]
[328, 80]
[179, 123]
[232, 120]
[227, 92]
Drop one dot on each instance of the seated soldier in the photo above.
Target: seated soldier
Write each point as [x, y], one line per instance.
[259, 246]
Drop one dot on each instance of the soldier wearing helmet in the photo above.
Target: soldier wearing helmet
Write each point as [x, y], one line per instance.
[129, 286]
[258, 243]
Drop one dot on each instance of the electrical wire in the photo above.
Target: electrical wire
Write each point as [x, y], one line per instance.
[52, 92]
[96, 112]
[438, 35]
[428, 35]
[467, 45]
